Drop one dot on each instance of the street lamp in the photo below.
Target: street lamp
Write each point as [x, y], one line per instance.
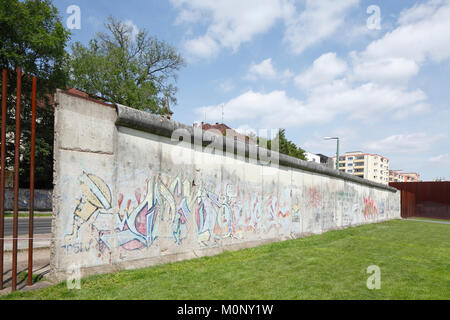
[337, 151]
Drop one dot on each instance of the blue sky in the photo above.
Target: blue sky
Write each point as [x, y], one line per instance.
[314, 67]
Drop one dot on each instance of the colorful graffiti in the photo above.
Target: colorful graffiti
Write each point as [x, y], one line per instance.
[370, 210]
[139, 226]
[314, 198]
[181, 206]
[95, 195]
[181, 211]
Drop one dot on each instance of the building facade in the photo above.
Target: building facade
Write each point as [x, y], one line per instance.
[225, 130]
[399, 176]
[368, 166]
[312, 157]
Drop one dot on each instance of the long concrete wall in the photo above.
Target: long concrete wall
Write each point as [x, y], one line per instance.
[127, 196]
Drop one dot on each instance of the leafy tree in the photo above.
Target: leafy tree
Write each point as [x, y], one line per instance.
[285, 146]
[122, 66]
[289, 148]
[33, 37]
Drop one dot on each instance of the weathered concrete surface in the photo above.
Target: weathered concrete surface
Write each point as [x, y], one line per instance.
[127, 196]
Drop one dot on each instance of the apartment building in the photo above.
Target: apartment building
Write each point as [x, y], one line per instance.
[399, 176]
[365, 165]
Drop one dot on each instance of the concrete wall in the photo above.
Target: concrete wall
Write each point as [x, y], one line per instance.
[128, 196]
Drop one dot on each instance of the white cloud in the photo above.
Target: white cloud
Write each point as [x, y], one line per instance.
[389, 70]
[423, 33]
[323, 70]
[405, 143]
[266, 70]
[373, 85]
[317, 144]
[275, 109]
[230, 22]
[134, 29]
[272, 110]
[369, 101]
[203, 47]
[318, 21]
[441, 160]
[226, 86]
[419, 12]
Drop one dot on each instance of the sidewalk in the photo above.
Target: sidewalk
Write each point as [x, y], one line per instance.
[432, 221]
[40, 241]
[41, 262]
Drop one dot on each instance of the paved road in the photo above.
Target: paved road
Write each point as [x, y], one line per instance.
[41, 226]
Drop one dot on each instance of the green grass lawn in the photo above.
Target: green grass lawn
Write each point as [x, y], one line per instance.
[26, 215]
[414, 259]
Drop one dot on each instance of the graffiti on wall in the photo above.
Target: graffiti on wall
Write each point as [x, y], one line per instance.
[370, 210]
[184, 208]
[314, 197]
[179, 210]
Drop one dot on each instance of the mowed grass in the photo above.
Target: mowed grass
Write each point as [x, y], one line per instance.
[414, 258]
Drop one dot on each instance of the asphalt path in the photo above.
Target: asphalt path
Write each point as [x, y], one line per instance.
[41, 226]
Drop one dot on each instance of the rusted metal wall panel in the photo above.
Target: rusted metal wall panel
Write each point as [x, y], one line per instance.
[432, 199]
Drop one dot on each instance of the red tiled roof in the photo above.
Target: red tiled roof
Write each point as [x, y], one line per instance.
[223, 128]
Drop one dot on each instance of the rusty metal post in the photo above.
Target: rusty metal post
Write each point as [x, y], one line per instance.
[2, 175]
[16, 181]
[31, 222]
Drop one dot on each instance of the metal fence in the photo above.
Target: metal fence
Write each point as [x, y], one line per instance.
[425, 199]
[16, 178]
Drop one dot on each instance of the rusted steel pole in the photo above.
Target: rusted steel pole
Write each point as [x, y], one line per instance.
[31, 222]
[16, 180]
[2, 176]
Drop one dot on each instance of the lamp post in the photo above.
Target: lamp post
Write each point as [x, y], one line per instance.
[337, 151]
